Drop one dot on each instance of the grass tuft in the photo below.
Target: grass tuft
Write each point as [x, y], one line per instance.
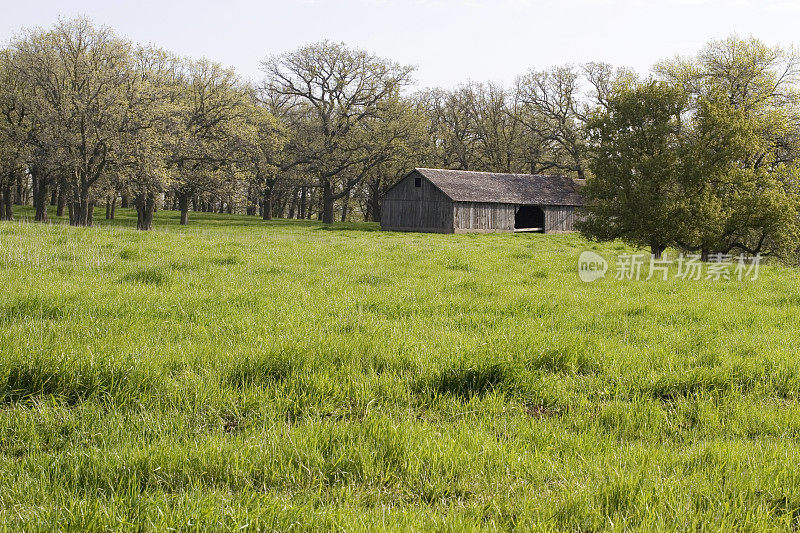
[260, 371]
[148, 276]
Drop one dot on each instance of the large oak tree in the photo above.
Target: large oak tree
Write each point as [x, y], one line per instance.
[332, 92]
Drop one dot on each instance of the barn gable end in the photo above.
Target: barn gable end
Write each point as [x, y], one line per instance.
[416, 204]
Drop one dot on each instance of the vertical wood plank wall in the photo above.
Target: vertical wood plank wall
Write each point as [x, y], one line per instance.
[558, 218]
[479, 216]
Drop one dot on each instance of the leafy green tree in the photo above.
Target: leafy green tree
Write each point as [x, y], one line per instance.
[14, 131]
[405, 145]
[262, 154]
[635, 167]
[143, 162]
[731, 199]
[739, 181]
[77, 75]
[210, 119]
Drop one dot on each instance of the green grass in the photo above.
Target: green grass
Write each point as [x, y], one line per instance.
[283, 375]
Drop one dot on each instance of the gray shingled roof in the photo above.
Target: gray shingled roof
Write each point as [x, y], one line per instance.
[467, 186]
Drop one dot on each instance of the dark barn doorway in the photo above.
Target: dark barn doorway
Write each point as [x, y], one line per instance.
[529, 218]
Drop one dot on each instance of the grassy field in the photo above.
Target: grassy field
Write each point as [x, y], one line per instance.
[284, 375]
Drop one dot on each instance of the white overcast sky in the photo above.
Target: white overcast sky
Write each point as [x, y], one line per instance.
[450, 41]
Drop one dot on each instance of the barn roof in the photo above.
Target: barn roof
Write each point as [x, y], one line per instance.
[468, 186]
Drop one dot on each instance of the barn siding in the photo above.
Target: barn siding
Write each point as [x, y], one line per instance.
[410, 208]
[478, 216]
[558, 218]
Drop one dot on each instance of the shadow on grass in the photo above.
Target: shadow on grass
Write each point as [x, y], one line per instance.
[40, 378]
[563, 361]
[351, 226]
[33, 307]
[466, 382]
[126, 217]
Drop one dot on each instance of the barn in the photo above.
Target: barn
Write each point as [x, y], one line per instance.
[459, 201]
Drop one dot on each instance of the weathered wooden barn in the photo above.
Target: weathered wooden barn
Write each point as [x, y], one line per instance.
[458, 201]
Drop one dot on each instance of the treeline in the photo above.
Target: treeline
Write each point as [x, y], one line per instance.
[702, 155]
[89, 119]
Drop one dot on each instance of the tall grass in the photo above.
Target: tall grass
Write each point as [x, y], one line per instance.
[284, 375]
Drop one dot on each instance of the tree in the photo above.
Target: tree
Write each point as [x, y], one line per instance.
[553, 114]
[14, 130]
[474, 127]
[332, 90]
[407, 146]
[143, 161]
[205, 132]
[740, 183]
[731, 199]
[636, 164]
[77, 75]
[452, 128]
[263, 153]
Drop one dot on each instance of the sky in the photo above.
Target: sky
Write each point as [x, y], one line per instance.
[449, 41]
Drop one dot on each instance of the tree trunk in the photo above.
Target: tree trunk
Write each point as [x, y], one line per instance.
[280, 208]
[303, 207]
[266, 204]
[21, 200]
[345, 205]
[6, 203]
[293, 203]
[253, 206]
[39, 196]
[145, 207]
[61, 199]
[327, 202]
[183, 205]
[124, 201]
[111, 207]
[657, 250]
[374, 202]
[9, 199]
[80, 213]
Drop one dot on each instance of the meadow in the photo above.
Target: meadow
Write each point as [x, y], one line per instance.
[285, 375]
